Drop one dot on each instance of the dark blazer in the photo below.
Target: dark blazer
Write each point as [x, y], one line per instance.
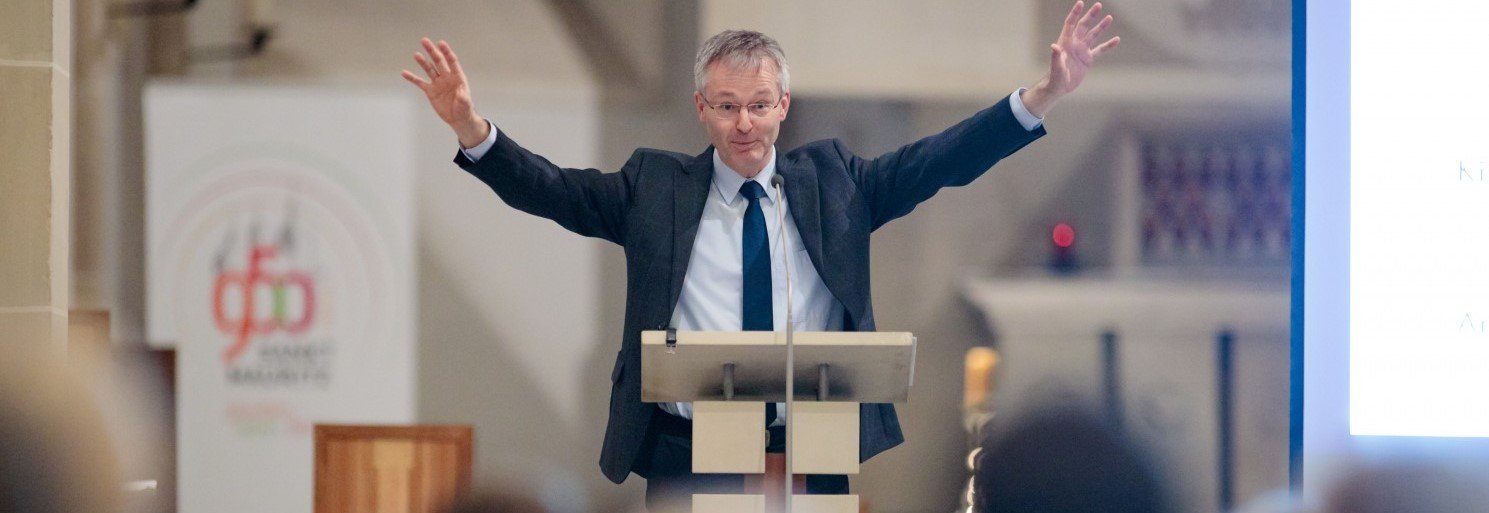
[652, 208]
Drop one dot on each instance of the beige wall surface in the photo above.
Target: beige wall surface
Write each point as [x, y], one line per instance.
[35, 171]
[520, 320]
[888, 48]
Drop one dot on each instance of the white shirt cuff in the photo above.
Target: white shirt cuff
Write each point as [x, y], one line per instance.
[1021, 113]
[475, 154]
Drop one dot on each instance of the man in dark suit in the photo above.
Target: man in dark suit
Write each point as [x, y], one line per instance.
[699, 231]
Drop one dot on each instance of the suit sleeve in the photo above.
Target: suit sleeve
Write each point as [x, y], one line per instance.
[894, 183]
[584, 201]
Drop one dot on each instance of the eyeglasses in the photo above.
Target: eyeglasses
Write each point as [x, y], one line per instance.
[728, 110]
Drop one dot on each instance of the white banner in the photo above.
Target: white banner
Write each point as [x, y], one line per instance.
[281, 265]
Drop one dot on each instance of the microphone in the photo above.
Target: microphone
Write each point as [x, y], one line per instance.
[778, 182]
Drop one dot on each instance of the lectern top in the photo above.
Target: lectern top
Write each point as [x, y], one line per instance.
[868, 367]
[801, 338]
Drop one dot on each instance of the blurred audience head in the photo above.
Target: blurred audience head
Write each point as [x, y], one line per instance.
[1065, 462]
[55, 454]
[1409, 487]
[491, 501]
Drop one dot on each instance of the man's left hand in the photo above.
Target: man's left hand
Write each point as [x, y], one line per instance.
[1071, 57]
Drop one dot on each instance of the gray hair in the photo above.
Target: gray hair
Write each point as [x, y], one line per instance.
[740, 49]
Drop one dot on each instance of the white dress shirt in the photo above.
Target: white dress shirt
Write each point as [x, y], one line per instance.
[712, 291]
[713, 288]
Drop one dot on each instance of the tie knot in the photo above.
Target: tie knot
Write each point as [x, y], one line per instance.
[752, 190]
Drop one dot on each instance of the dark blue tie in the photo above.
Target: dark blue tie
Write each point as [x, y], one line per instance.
[756, 306]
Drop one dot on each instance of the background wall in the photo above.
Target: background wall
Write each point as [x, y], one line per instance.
[586, 82]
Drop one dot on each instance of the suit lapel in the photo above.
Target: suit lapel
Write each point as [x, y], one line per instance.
[803, 200]
[689, 193]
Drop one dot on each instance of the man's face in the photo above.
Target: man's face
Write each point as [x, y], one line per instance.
[742, 140]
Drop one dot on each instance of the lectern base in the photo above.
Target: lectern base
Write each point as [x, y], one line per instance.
[825, 503]
[711, 503]
[737, 503]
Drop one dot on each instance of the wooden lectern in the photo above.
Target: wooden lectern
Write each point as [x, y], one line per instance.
[730, 377]
[390, 469]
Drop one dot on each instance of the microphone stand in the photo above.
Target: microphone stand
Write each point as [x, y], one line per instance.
[779, 183]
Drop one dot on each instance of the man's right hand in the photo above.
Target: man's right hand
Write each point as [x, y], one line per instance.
[449, 93]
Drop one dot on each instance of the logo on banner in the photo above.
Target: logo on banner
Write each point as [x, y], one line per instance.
[264, 299]
[279, 273]
[280, 283]
[248, 282]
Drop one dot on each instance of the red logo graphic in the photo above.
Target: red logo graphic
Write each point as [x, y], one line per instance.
[249, 321]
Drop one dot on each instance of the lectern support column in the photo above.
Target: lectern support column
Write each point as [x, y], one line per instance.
[822, 382]
[729, 382]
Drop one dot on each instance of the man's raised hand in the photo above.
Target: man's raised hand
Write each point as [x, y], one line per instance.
[1071, 56]
[448, 92]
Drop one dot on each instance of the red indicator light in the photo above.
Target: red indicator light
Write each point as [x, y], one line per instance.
[1063, 235]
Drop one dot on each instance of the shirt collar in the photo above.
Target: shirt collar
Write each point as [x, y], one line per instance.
[728, 182]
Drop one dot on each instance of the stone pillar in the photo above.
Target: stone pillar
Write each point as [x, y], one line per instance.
[35, 171]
